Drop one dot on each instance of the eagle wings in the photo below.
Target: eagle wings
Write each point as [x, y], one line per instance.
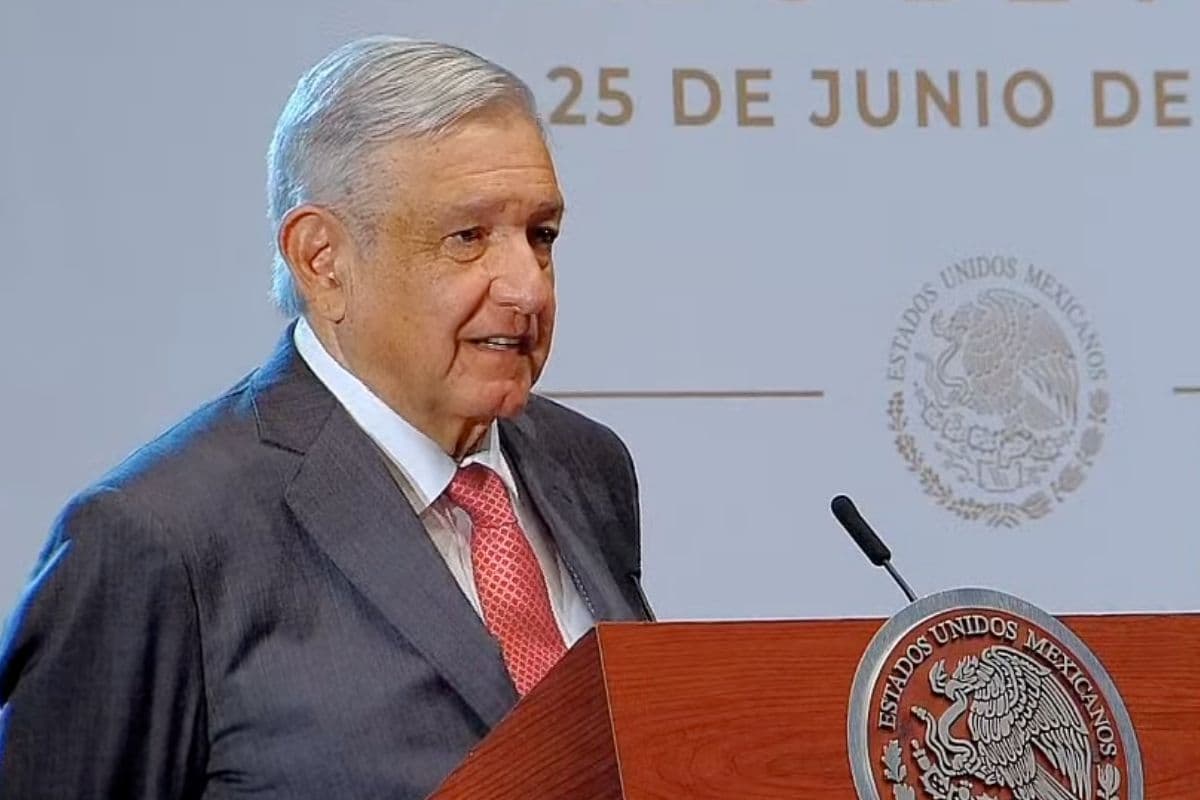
[1017, 709]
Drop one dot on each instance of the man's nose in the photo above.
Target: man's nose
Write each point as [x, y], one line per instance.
[521, 281]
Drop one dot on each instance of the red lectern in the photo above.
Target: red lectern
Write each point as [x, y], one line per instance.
[759, 710]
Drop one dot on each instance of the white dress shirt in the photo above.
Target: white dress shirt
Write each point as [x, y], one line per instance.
[423, 471]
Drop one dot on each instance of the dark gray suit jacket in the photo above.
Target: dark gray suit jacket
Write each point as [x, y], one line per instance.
[248, 607]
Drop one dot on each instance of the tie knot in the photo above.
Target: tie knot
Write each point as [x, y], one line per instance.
[478, 490]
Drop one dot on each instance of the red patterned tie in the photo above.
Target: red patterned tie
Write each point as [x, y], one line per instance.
[511, 587]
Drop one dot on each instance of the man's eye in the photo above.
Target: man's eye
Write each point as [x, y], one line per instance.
[466, 245]
[468, 236]
[544, 235]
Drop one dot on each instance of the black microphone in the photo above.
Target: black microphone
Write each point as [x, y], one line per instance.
[874, 548]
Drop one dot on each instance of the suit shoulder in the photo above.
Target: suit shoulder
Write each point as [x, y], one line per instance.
[202, 463]
[213, 429]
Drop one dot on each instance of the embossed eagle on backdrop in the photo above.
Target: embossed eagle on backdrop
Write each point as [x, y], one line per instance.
[1016, 710]
[1016, 362]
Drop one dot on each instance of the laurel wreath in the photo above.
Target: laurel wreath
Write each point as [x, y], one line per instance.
[1109, 778]
[1002, 514]
[895, 771]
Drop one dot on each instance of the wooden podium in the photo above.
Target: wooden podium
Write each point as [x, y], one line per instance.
[675, 711]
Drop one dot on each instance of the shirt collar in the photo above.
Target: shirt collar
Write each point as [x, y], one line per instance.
[422, 463]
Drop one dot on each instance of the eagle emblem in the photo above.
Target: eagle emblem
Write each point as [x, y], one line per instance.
[998, 397]
[973, 694]
[1003, 394]
[1016, 363]
[1025, 733]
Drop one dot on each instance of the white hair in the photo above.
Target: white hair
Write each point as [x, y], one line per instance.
[365, 94]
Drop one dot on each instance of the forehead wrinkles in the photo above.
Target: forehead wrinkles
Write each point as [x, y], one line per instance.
[494, 187]
[504, 146]
[482, 198]
[417, 181]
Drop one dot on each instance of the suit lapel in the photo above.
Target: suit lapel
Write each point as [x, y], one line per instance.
[346, 500]
[558, 498]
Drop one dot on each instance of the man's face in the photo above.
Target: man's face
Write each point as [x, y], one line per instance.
[450, 306]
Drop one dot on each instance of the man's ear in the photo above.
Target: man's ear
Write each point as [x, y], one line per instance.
[319, 249]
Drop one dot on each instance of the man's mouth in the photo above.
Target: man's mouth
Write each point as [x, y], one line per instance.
[504, 343]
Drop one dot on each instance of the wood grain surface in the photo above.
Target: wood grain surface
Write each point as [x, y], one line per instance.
[746, 710]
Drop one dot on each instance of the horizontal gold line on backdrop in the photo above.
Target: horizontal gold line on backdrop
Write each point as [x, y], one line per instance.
[687, 394]
[1187, 390]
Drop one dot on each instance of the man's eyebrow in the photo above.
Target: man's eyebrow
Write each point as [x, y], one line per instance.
[481, 207]
[474, 207]
[551, 208]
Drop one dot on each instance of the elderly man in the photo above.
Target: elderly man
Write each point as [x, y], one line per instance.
[334, 579]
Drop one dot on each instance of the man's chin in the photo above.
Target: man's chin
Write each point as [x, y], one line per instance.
[513, 404]
[502, 402]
